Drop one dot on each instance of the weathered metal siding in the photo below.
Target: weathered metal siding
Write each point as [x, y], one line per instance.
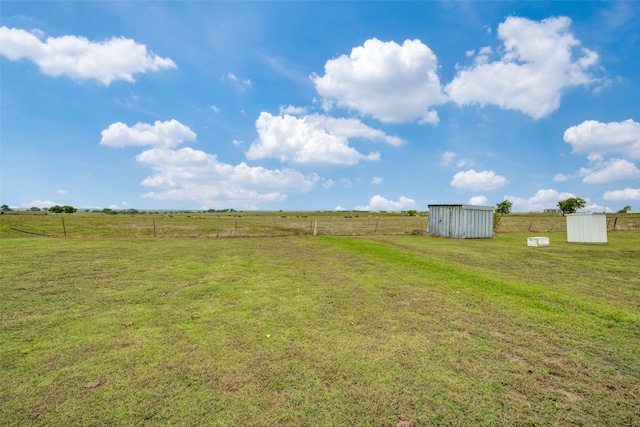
[461, 221]
[587, 228]
[445, 220]
[478, 222]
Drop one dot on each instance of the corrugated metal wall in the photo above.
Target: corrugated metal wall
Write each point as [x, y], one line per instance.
[445, 220]
[478, 222]
[461, 221]
[586, 228]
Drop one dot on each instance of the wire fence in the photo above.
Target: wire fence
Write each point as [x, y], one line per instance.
[208, 226]
[558, 224]
[220, 226]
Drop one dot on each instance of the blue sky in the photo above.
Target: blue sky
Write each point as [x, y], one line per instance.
[319, 105]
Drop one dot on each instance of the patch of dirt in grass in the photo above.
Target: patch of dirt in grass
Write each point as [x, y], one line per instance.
[92, 384]
[520, 361]
[562, 367]
[500, 336]
[566, 397]
[461, 334]
[556, 366]
[518, 397]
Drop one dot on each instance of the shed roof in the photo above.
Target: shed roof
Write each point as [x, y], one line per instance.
[461, 206]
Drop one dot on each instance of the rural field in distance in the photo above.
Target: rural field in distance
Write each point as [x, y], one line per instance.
[368, 322]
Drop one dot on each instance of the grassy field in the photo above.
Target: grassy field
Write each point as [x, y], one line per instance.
[324, 330]
[239, 224]
[242, 224]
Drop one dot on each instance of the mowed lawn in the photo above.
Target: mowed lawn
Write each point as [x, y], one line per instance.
[320, 331]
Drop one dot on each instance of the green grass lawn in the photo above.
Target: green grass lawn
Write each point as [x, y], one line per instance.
[320, 331]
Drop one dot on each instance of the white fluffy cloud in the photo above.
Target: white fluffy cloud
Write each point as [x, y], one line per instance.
[472, 180]
[117, 58]
[188, 174]
[543, 199]
[596, 138]
[314, 140]
[376, 180]
[626, 194]
[161, 134]
[601, 171]
[612, 170]
[194, 175]
[478, 200]
[379, 203]
[538, 62]
[384, 80]
[561, 177]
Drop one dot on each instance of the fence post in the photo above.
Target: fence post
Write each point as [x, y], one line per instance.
[315, 227]
[64, 228]
[154, 227]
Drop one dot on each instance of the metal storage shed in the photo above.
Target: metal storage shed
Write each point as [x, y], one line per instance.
[587, 228]
[461, 221]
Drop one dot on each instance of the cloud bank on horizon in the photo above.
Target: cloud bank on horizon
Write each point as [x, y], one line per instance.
[381, 114]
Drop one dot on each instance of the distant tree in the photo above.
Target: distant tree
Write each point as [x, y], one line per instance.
[625, 210]
[571, 205]
[109, 211]
[56, 209]
[5, 208]
[504, 207]
[412, 212]
[34, 209]
[69, 209]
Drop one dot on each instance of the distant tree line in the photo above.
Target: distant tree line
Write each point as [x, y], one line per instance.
[110, 211]
[567, 206]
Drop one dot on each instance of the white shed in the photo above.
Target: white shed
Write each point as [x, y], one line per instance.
[461, 221]
[587, 228]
